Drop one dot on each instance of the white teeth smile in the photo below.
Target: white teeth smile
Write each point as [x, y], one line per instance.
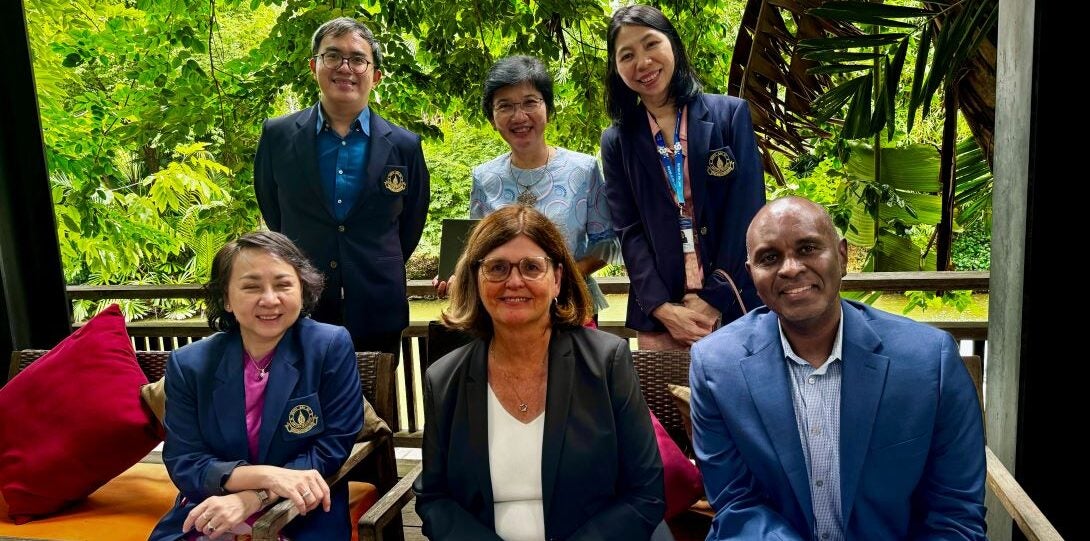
[268, 318]
[797, 290]
[515, 299]
[649, 78]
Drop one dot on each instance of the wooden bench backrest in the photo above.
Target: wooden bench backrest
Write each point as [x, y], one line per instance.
[376, 374]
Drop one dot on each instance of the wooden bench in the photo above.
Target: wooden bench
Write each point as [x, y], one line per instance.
[656, 369]
[371, 461]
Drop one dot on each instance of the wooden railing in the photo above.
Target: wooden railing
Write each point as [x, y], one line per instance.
[168, 335]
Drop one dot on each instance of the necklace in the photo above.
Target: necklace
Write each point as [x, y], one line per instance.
[522, 406]
[526, 195]
[262, 371]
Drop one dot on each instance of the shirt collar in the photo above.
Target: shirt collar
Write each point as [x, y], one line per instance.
[364, 119]
[835, 355]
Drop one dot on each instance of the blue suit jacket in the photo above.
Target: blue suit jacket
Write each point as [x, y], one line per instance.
[601, 473]
[645, 213]
[314, 366]
[911, 437]
[364, 254]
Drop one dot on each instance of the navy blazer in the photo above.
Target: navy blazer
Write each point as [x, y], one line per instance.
[314, 367]
[911, 437]
[645, 213]
[364, 255]
[600, 466]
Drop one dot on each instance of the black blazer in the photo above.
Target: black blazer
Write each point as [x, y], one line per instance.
[645, 211]
[365, 253]
[600, 465]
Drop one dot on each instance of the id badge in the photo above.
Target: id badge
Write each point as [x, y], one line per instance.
[688, 246]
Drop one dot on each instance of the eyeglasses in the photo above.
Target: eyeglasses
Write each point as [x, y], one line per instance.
[357, 63]
[507, 108]
[497, 269]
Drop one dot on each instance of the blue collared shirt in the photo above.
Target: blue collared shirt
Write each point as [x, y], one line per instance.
[342, 161]
[815, 394]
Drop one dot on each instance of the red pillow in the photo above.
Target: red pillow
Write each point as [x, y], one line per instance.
[684, 486]
[73, 420]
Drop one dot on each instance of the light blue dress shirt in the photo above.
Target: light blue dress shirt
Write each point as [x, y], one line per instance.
[815, 396]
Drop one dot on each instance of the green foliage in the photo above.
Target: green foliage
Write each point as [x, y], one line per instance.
[871, 96]
[972, 249]
[151, 111]
[924, 300]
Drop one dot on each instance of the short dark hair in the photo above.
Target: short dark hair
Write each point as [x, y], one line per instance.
[310, 280]
[341, 26]
[622, 102]
[515, 70]
[466, 311]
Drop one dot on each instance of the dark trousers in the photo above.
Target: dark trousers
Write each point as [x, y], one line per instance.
[388, 342]
[331, 312]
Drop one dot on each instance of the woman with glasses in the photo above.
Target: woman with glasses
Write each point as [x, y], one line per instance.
[684, 179]
[564, 185]
[537, 429]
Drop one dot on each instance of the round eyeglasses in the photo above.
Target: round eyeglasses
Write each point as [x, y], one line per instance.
[357, 63]
[497, 269]
[508, 108]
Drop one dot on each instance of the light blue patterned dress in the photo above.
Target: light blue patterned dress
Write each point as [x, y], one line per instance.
[570, 191]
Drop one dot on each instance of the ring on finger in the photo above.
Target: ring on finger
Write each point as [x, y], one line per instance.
[307, 494]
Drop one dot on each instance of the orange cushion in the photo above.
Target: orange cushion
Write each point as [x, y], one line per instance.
[128, 507]
[361, 496]
[73, 420]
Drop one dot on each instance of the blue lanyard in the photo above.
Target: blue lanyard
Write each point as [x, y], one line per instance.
[674, 167]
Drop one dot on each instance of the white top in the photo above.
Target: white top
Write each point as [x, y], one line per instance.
[514, 458]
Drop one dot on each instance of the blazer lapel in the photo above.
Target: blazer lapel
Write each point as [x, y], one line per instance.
[476, 394]
[766, 376]
[557, 403]
[378, 154]
[304, 148]
[864, 378]
[283, 376]
[652, 175]
[229, 398]
[700, 132]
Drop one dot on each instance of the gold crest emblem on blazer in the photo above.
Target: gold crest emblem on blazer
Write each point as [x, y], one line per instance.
[301, 419]
[720, 164]
[395, 181]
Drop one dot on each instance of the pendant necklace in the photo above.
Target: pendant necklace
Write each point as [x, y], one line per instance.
[261, 371]
[522, 405]
[526, 195]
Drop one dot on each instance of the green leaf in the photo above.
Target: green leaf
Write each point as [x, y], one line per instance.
[830, 69]
[850, 42]
[916, 95]
[833, 100]
[895, 253]
[840, 10]
[857, 121]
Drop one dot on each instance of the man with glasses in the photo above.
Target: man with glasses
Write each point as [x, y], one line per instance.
[351, 189]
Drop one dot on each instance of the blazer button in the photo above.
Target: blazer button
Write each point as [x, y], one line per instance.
[332, 264]
[704, 230]
[340, 229]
